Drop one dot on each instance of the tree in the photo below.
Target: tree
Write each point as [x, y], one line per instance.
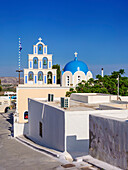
[121, 71]
[107, 84]
[0, 88]
[57, 66]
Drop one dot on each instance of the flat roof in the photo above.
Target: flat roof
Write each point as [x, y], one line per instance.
[74, 105]
[81, 106]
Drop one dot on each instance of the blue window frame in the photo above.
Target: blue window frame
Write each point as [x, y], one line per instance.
[45, 50]
[45, 79]
[26, 79]
[40, 64]
[35, 50]
[54, 79]
[49, 64]
[35, 79]
[30, 64]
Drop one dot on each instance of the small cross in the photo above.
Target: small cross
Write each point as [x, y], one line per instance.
[75, 54]
[40, 39]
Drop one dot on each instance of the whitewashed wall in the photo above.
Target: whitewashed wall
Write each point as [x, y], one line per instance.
[53, 125]
[20, 129]
[77, 132]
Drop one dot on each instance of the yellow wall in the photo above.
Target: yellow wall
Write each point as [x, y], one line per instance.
[24, 93]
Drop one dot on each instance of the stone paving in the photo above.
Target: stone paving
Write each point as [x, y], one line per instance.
[16, 156]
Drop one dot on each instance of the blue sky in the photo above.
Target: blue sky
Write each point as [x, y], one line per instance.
[96, 29]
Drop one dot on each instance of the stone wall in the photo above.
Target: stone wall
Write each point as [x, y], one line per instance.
[109, 140]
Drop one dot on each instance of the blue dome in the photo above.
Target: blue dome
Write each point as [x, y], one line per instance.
[76, 65]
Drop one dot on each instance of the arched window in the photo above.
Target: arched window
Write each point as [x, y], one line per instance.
[49, 77]
[67, 80]
[79, 79]
[40, 49]
[30, 76]
[26, 115]
[45, 63]
[35, 62]
[40, 76]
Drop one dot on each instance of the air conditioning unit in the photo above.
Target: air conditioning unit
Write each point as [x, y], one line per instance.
[65, 102]
[50, 97]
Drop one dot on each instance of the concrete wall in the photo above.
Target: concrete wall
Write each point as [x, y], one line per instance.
[23, 93]
[90, 98]
[98, 99]
[124, 98]
[79, 97]
[77, 132]
[20, 129]
[53, 125]
[109, 140]
[4, 102]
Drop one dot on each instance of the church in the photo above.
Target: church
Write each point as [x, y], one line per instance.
[40, 79]
[74, 72]
[40, 70]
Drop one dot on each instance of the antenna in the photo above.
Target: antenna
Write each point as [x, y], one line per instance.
[20, 48]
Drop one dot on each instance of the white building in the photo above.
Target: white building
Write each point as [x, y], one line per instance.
[66, 129]
[74, 72]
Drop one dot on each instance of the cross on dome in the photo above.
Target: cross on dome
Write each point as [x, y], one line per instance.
[75, 54]
[40, 39]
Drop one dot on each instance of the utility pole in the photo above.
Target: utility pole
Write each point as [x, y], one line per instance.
[118, 89]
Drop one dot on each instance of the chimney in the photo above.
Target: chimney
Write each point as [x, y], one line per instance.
[102, 72]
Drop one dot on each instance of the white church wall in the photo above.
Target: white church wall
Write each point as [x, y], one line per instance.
[89, 75]
[82, 77]
[64, 78]
[77, 132]
[53, 124]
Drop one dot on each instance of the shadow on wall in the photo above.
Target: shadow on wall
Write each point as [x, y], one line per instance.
[77, 147]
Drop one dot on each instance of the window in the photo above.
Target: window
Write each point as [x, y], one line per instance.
[54, 79]
[49, 64]
[35, 50]
[67, 80]
[35, 62]
[40, 64]
[45, 50]
[26, 79]
[40, 49]
[79, 79]
[26, 115]
[40, 129]
[35, 79]
[30, 64]
[49, 77]
[40, 76]
[30, 76]
[45, 63]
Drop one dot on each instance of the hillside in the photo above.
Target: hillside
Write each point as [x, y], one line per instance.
[11, 80]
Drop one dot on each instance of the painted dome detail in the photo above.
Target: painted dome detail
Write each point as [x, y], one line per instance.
[76, 65]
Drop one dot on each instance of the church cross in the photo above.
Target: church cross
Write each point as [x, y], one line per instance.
[40, 39]
[75, 54]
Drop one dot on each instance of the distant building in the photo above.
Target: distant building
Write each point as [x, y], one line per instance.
[74, 72]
